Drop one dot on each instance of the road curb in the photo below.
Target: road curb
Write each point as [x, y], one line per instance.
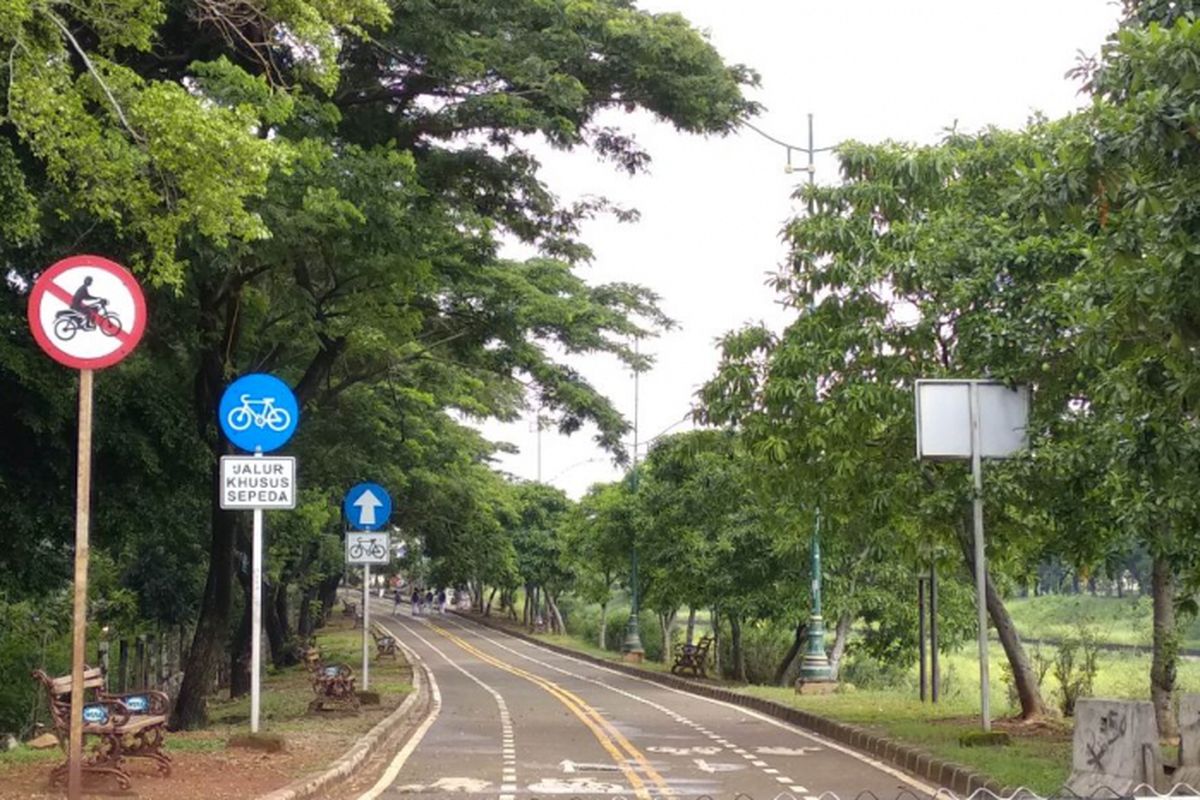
[920, 763]
[367, 745]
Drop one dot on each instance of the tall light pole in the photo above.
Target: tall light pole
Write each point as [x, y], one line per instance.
[632, 646]
[815, 667]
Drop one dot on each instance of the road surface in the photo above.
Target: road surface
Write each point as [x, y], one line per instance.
[512, 720]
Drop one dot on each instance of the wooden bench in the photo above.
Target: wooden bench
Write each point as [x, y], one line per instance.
[385, 643]
[333, 684]
[130, 725]
[692, 657]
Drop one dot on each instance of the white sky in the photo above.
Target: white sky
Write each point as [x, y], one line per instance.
[712, 209]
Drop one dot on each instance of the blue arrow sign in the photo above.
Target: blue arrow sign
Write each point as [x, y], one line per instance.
[258, 412]
[367, 507]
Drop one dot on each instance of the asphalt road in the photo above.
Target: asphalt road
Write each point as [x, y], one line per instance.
[512, 720]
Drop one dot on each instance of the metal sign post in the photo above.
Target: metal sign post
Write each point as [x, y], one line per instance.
[366, 615]
[367, 507]
[86, 313]
[257, 413]
[367, 548]
[974, 419]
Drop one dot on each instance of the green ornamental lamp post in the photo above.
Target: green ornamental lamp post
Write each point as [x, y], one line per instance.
[815, 668]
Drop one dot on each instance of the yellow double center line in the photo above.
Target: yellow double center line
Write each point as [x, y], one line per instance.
[604, 731]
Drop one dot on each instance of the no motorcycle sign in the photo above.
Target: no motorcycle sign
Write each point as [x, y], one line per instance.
[87, 312]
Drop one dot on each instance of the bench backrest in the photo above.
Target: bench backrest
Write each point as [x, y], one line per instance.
[58, 692]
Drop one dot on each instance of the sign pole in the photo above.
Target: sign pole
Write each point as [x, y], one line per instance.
[83, 493]
[256, 617]
[980, 563]
[366, 615]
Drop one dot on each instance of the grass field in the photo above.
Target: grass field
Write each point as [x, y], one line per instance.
[1116, 620]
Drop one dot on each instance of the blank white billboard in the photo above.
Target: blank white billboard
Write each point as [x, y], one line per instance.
[944, 418]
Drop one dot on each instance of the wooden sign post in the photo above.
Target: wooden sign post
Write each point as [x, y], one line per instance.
[87, 313]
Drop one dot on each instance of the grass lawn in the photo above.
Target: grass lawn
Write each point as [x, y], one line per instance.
[1117, 620]
[312, 739]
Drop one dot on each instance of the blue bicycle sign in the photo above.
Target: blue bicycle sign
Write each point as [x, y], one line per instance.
[258, 413]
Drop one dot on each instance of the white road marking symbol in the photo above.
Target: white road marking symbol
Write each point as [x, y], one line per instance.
[575, 786]
[787, 751]
[468, 785]
[570, 766]
[714, 768]
[685, 751]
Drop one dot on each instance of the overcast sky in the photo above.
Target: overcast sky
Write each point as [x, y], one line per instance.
[712, 209]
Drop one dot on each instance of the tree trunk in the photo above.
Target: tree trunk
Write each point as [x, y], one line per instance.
[557, 623]
[691, 626]
[275, 614]
[716, 645]
[304, 626]
[239, 654]
[328, 595]
[487, 610]
[665, 622]
[604, 625]
[527, 607]
[1166, 647]
[735, 640]
[797, 642]
[841, 638]
[1024, 678]
[212, 627]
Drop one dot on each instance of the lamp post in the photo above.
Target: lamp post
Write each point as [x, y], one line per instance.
[815, 667]
[632, 646]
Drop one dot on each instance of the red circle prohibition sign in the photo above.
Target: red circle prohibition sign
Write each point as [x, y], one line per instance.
[87, 312]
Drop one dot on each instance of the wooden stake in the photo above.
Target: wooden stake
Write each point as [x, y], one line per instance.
[83, 493]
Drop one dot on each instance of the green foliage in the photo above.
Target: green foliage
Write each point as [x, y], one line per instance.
[1075, 668]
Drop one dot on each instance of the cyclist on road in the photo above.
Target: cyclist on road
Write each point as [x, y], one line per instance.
[84, 302]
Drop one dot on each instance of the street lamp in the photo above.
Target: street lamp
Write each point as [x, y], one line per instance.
[815, 669]
[632, 646]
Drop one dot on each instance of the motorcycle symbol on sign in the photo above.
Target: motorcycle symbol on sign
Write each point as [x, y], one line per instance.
[260, 412]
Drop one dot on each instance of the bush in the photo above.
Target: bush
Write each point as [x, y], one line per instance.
[32, 636]
[1075, 668]
[866, 672]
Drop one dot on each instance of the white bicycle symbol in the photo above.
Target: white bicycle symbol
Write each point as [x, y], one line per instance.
[261, 413]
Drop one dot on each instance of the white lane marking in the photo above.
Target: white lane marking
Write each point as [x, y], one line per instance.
[575, 786]
[704, 766]
[787, 751]
[570, 766]
[470, 785]
[814, 737]
[506, 727]
[758, 763]
[393, 769]
[684, 751]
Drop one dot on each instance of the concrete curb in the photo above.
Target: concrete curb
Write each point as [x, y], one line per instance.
[370, 742]
[956, 777]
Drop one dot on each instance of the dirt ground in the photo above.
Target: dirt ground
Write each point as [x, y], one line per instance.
[206, 767]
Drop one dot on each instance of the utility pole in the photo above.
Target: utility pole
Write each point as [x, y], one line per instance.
[632, 646]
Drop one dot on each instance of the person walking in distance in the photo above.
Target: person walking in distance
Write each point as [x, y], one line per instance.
[397, 599]
[416, 601]
[441, 600]
[429, 600]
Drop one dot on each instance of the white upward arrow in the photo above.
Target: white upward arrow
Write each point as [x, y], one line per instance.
[567, 765]
[367, 502]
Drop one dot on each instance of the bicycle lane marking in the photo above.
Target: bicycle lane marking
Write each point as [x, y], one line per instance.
[63, 296]
[600, 727]
[508, 783]
[716, 738]
[397, 763]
